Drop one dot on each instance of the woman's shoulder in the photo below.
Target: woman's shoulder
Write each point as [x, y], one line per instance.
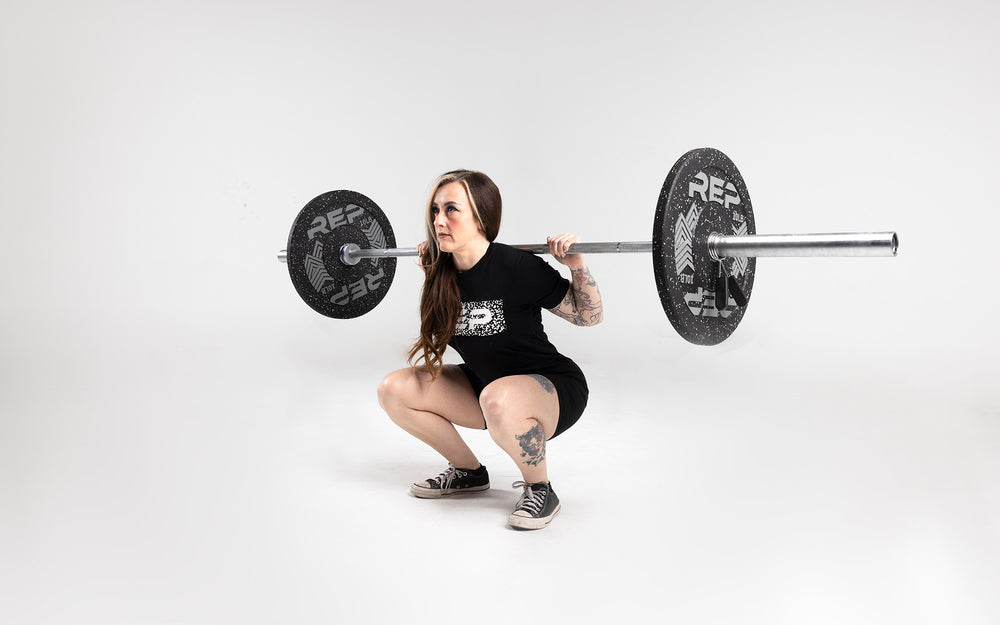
[522, 261]
[511, 253]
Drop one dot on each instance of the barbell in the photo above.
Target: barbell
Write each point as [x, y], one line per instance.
[341, 251]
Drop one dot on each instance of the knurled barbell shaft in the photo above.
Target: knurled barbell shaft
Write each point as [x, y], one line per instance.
[353, 254]
[719, 246]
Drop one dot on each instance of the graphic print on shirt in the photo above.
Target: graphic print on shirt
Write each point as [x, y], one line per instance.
[481, 319]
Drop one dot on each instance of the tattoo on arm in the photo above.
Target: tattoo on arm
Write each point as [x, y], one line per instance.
[532, 445]
[582, 304]
[583, 277]
[544, 381]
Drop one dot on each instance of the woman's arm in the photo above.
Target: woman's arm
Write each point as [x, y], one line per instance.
[582, 305]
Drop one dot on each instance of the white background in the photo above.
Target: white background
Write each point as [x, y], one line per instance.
[183, 441]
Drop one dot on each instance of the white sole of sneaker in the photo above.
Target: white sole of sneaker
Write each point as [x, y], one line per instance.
[436, 493]
[528, 523]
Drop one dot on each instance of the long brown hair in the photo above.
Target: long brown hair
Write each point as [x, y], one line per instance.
[440, 301]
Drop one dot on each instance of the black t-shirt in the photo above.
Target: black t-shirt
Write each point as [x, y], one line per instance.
[499, 332]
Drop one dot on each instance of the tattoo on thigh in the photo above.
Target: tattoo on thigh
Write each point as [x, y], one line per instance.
[544, 381]
[532, 445]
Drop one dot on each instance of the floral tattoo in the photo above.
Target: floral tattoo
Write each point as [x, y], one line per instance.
[532, 445]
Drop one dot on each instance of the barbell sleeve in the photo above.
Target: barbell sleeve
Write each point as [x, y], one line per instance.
[794, 245]
[720, 246]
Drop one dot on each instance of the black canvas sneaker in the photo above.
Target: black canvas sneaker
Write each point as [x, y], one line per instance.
[453, 481]
[536, 508]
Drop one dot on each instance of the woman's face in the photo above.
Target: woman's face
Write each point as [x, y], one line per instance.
[454, 222]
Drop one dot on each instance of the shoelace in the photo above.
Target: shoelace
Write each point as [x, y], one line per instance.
[448, 476]
[531, 500]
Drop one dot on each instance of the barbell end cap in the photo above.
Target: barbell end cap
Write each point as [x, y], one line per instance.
[283, 256]
[348, 253]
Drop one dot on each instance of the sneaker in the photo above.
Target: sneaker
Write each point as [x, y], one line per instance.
[536, 508]
[453, 481]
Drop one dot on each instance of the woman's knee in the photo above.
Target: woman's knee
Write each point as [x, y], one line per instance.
[509, 406]
[495, 400]
[394, 388]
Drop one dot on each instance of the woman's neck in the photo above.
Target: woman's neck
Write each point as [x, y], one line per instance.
[467, 257]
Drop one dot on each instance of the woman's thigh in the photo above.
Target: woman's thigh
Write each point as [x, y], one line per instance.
[450, 396]
[522, 397]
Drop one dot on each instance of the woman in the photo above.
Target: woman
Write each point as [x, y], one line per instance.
[485, 300]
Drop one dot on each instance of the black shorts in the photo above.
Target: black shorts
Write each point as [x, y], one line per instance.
[571, 390]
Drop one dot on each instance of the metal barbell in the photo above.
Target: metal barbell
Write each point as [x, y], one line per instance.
[341, 249]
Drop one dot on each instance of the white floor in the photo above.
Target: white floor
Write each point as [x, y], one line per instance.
[213, 478]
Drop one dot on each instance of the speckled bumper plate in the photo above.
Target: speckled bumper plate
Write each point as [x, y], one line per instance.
[328, 285]
[703, 194]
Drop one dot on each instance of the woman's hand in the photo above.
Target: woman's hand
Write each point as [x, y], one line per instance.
[423, 256]
[558, 245]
